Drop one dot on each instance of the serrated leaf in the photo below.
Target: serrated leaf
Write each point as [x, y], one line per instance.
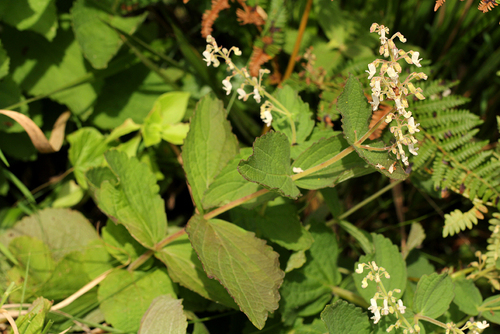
[164, 315]
[386, 255]
[489, 309]
[208, 147]
[40, 67]
[33, 322]
[185, 268]
[125, 296]
[433, 295]
[346, 168]
[120, 244]
[244, 264]
[229, 185]
[356, 115]
[280, 223]
[467, 296]
[344, 318]
[163, 120]
[39, 16]
[307, 290]
[269, 165]
[301, 115]
[99, 41]
[134, 201]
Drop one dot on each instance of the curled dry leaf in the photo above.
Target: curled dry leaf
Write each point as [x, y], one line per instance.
[35, 133]
[210, 15]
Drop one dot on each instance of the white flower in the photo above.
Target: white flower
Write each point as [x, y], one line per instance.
[371, 70]
[392, 73]
[375, 102]
[412, 127]
[364, 283]
[391, 169]
[412, 149]
[236, 51]
[374, 265]
[297, 170]
[415, 60]
[361, 266]
[376, 87]
[374, 308]
[208, 57]
[482, 325]
[256, 95]
[242, 94]
[385, 309]
[267, 118]
[401, 307]
[227, 85]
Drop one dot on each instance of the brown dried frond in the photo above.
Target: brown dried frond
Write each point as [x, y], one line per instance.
[438, 4]
[185, 1]
[376, 116]
[211, 15]
[249, 15]
[258, 58]
[486, 5]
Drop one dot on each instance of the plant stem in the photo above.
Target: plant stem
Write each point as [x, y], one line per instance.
[350, 296]
[235, 203]
[325, 164]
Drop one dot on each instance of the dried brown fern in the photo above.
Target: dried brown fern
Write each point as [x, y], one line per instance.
[249, 15]
[438, 4]
[258, 58]
[211, 15]
[486, 5]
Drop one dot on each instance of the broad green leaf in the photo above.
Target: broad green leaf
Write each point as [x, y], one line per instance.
[244, 264]
[4, 64]
[280, 223]
[386, 255]
[10, 93]
[99, 41]
[97, 259]
[489, 309]
[128, 126]
[356, 115]
[229, 185]
[433, 295]
[316, 327]
[134, 201]
[68, 277]
[361, 236]
[163, 120]
[415, 238]
[307, 290]
[467, 296]
[208, 147]
[125, 296]
[139, 85]
[418, 265]
[301, 115]
[40, 67]
[314, 137]
[185, 268]
[68, 195]
[164, 315]
[350, 166]
[120, 244]
[344, 318]
[39, 16]
[269, 165]
[34, 321]
[62, 230]
[41, 263]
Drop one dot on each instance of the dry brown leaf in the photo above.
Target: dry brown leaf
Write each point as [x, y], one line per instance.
[376, 116]
[439, 3]
[487, 5]
[35, 133]
[249, 15]
[210, 15]
[258, 58]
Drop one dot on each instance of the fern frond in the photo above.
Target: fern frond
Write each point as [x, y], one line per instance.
[493, 248]
[447, 102]
[210, 15]
[438, 4]
[457, 221]
[487, 5]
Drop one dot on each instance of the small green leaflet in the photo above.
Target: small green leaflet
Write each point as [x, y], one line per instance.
[433, 295]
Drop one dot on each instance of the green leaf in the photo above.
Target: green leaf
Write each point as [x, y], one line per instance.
[280, 223]
[386, 255]
[415, 238]
[433, 295]
[164, 315]
[39, 16]
[467, 296]
[489, 309]
[140, 85]
[229, 185]
[134, 201]
[41, 264]
[295, 261]
[208, 147]
[163, 120]
[120, 244]
[33, 322]
[307, 290]
[301, 115]
[356, 115]
[68, 195]
[244, 264]
[125, 296]
[4, 63]
[360, 235]
[99, 41]
[344, 318]
[40, 67]
[346, 168]
[97, 259]
[185, 268]
[62, 230]
[269, 165]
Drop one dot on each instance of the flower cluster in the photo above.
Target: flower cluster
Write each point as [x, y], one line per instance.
[390, 305]
[211, 56]
[387, 85]
[475, 327]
